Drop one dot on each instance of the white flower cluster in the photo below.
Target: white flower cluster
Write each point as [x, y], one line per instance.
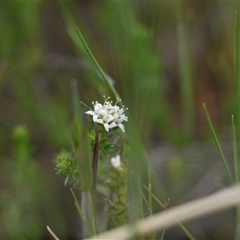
[109, 115]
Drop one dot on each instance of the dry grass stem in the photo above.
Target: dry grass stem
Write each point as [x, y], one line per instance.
[216, 202]
[52, 233]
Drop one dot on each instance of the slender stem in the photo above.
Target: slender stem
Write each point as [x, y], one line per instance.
[235, 151]
[224, 161]
[122, 146]
[155, 198]
[236, 173]
[150, 191]
[95, 160]
[94, 185]
[236, 70]
[105, 79]
[52, 233]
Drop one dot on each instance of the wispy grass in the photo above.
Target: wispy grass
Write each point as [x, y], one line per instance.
[186, 85]
[137, 65]
[236, 71]
[224, 161]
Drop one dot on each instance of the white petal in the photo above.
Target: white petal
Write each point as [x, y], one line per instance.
[121, 119]
[106, 126]
[90, 113]
[109, 118]
[95, 118]
[121, 127]
[103, 112]
[112, 125]
[99, 120]
[97, 107]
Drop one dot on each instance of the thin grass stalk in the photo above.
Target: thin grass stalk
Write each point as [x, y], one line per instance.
[231, 179]
[150, 191]
[106, 80]
[52, 233]
[155, 198]
[88, 208]
[186, 88]
[81, 214]
[236, 71]
[237, 114]
[235, 151]
[95, 161]
[236, 173]
[162, 234]
[184, 229]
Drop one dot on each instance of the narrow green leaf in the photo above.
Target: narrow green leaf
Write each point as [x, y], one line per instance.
[77, 123]
[162, 234]
[155, 198]
[235, 151]
[236, 172]
[82, 148]
[231, 179]
[150, 190]
[185, 230]
[106, 80]
[186, 88]
[236, 72]
[80, 212]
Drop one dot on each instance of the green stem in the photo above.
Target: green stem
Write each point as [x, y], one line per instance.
[83, 212]
[105, 79]
[218, 144]
[95, 161]
[184, 229]
[235, 151]
[150, 191]
[236, 70]
[88, 209]
[236, 173]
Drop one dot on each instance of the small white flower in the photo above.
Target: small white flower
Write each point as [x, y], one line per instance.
[109, 115]
[116, 161]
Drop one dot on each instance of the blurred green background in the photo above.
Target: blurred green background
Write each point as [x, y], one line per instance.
[164, 58]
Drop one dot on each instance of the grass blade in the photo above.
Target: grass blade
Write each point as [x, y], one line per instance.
[236, 173]
[231, 179]
[106, 80]
[80, 212]
[235, 151]
[185, 230]
[186, 88]
[236, 72]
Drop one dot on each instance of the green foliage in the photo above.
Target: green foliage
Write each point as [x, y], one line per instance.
[25, 193]
[105, 145]
[162, 73]
[67, 167]
[138, 63]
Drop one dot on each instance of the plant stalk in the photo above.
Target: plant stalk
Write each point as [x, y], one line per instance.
[95, 161]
